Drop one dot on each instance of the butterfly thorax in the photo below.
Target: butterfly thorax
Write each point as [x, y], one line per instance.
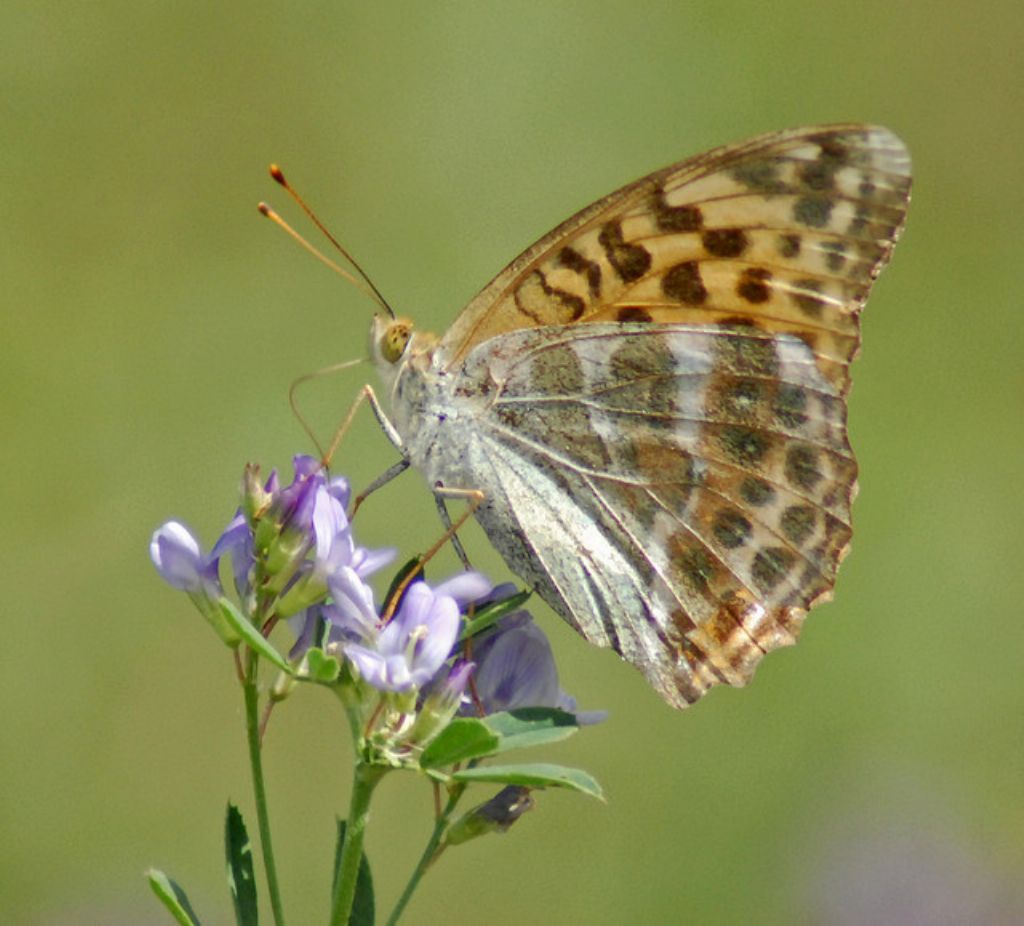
[418, 393]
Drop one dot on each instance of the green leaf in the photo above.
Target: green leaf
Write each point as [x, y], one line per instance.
[172, 897]
[241, 878]
[490, 614]
[322, 668]
[464, 738]
[531, 726]
[538, 775]
[252, 637]
[363, 912]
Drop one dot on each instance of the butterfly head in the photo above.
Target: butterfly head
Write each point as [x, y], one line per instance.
[394, 343]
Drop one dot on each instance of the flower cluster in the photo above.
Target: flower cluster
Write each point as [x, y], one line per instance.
[284, 543]
[406, 669]
[440, 678]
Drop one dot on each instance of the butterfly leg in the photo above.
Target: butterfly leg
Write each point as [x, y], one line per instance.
[473, 498]
[366, 394]
[396, 469]
[446, 520]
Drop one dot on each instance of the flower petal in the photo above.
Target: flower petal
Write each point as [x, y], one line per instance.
[435, 646]
[236, 542]
[177, 556]
[341, 490]
[352, 609]
[329, 522]
[370, 665]
[465, 587]
[366, 562]
[518, 670]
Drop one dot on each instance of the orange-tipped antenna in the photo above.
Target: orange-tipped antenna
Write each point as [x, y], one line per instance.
[279, 177]
[362, 285]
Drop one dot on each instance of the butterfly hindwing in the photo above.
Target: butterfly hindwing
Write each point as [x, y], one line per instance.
[688, 488]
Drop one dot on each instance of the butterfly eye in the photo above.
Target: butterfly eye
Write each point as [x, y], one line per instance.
[394, 340]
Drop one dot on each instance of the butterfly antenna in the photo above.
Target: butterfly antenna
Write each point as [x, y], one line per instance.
[279, 177]
[358, 283]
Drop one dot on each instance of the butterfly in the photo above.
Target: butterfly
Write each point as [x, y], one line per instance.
[651, 399]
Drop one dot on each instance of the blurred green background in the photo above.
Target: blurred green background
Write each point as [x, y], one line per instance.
[151, 325]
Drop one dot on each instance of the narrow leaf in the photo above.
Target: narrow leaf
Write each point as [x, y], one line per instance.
[363, 906]
[464, 738]
[531, 726]
[490, 614]
[172, 897]
[252, 637]
[538, 775]
[241, 878]
[413, 566]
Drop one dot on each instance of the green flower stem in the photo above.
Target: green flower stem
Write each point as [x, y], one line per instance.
[429, 853]
[364, 780]
[252, 726]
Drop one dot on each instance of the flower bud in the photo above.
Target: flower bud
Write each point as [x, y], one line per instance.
[256, 497]
[177, 557]
[493, 816]
[182, 564]
[440, 705]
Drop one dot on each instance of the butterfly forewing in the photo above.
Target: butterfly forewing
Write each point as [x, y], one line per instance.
[651, 399]
[788, 229]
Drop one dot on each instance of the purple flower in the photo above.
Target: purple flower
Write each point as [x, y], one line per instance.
[467, 588]
[284, 531]
[445, 696]
[414, 644]
[350, 616]
[181, 562]
[236, 542]
[516, 668]
[328, 537]
[287, 545]
[440, 704]
[293, 505]
[333, 546]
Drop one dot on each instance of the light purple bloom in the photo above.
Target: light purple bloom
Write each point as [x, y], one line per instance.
[458, 678]
[516, 668]
[467, 588]
[316, 523]
[351, 615]
[352, 609]
[181, 562]
[294, 503]
[440, 704]
[415, 643]
[311, 627]
[334, 547]
[236, 542]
